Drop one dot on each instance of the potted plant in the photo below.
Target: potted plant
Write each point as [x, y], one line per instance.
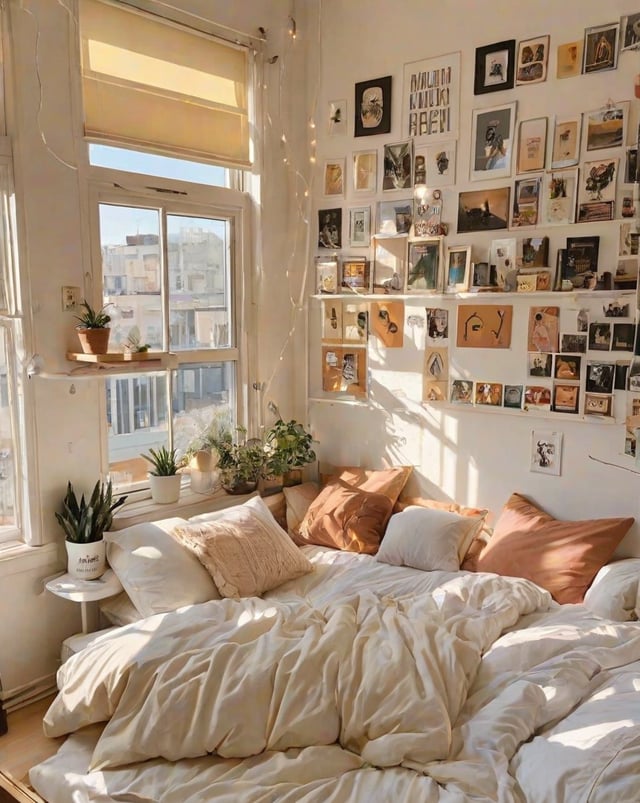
[201, 457]
[93, 332]
[84, 524]
[164, 477]
[240, 461]
[290, 444]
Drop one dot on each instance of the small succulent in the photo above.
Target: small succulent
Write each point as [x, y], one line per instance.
[92, 319]
[164, 461]
[84, 522]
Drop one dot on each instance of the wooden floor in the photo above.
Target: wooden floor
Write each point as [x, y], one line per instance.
[24, 746]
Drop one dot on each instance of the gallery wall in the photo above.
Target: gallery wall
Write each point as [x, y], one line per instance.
[473, 454]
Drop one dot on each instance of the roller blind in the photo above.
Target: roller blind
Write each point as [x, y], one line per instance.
[153, 85]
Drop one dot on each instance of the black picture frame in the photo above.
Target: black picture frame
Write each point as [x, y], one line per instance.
[372, 107]
[495, 67]
[579, 258]
[330, 228]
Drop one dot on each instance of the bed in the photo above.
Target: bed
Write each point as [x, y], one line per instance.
[320, 672]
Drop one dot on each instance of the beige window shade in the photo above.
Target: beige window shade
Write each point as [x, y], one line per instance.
[160, 87]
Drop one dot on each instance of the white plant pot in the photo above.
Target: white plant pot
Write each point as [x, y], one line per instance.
[86, 561]
[165, 490]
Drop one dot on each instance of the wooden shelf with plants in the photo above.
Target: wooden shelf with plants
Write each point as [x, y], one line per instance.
[117, 357]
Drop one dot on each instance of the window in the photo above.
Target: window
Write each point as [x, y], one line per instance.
[170, 246]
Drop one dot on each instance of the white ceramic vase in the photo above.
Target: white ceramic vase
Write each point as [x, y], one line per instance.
[204, 482]
[86, 561]
[165, 490]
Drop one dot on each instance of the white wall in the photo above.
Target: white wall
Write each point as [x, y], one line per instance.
[470, 456]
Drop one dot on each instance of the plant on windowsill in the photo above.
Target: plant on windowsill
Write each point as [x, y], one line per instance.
[84, 524]
[93, 332]
[201, 457]
[240, 461]
[163, 477]
[288, 443]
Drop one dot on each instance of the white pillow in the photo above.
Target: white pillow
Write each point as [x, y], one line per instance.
[425, 538]
[119, 610]
[246, 552]
[614, 591]
[157, 572]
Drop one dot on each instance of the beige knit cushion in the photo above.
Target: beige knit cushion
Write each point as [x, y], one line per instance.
[246, 552]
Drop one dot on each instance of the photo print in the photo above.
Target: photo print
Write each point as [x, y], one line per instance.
[567, 367]
[532, 145]
[559, 197]
[461, 391]
[597, 194]
[440, 161]
[334, 177]
[360, 226]
[533, 55]
[437, 326]
[356, 274]
[492, 141]
[630, 32]
[337, 118]
[330, 228]
[598, 405]
[566, 142]
[573, 343]
[526, 199]
[599, 336]
[489, 393]
[513, 395]
[424, 266]
[624, 336]
[632, 425]
[373, 107]
[580, 259]
[503, 257]
[397, 166]
[606, 128]
[546, 452]
[327, 275]
[539, 364]
[600, 377]
[601, 48]
[537, 397]
[483, 210]
[630, 166]
[566, 398]
[457, 269]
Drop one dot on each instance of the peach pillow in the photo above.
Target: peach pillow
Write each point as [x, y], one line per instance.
[560, 556]
[245, 551]
[452, 507]
[387, 481]
[347, 518]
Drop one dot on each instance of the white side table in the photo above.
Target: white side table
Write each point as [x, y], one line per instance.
[86, 592]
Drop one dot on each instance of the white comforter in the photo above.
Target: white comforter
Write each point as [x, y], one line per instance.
[383, 684]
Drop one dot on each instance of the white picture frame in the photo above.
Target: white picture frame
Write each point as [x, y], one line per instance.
[359, 226]
[559, 194]
[565, 148]
[492, 142]
[333, 178]
[365, 171]
[431, 99]
[457, 269]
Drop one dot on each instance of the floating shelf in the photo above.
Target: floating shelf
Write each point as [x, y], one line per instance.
[118, 357]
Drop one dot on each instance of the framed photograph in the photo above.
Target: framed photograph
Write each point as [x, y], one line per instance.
[606, 128]
[389, 264]
[373, 107]
[537, 397]
[360, 226]
[546, 452]
[365, 171]
[327, 275]
[597, 405]
[569, 62]
[601, 48]
[334, 177]
[495, 67]
[394, 217]
[535, 253]
[580, 258]
[599, 336]
[397, 166]
[597, 190]
[484, 326]
[539, 364]
[355, 274]
[492, 141]
[483, 277]
[513, 396]
[567, 367]
[630, 32]
[330, 228]
[630, 166]
[600, 377]
[566, 398]
[489, 393]
[566, 142]
[337, 118]
[532, 145]
[533, 56]
[424, 266]
[431, 98]
[503, 259]
[624, 337]
[344, 370]
[458, 269]
[461, 391]
[559, 191]
[483, 210]
[526, 202]
[573, 343]
[436, 164]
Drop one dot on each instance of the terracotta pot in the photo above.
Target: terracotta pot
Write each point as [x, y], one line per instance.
[94, 341]
[86, 561]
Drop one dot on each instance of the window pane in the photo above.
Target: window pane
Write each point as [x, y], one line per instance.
[151, 164]
[131, 268]
[137, 419]
[199, 282]
[204, 395]
[7, 467]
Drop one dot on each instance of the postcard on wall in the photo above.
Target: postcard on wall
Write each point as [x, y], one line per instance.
[513, 395]
[397, 166]
[431, 98]
[546, 452]
[436, 374]
[600, 376]
[360, 226]
[537, 397]
[437, 326]
[566, 398]
[573, 343]
[334, 177]
[535, 253]
[492, 141]
[356, 274]
[503, 255]
[526, 202]
[373, 107]
[428, 213]
[559, 197]
[606, 127]
[597, 190]
[389, 264]
[599, 336]
[489, 393]
[337, 118]
[461, 391]
[630, 32]
[484, 326]
[533, 55]
[532, 145]
[387, 322]
[482, 210]
[365, 171]
[596, 404]
[424, 266]
[539, 364]
[567, 367]
[327, 275]
[331, 322]
[601, 48]
[544, 328]
[355, 319]
[440, 162]
[569, 63]
[580, 258]
[566, 142]
[395, 217]
[624, 337]
[330, 228]
[632, 425]
[344, 370]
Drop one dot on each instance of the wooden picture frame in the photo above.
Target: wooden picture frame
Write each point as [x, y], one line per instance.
[533, 57]
[457, 269]
[492, 141]
[355, 275]
[532, 145]
[373, 107]
[494, 67]
[424, 266]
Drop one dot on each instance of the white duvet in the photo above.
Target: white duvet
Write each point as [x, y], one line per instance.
[383, 684]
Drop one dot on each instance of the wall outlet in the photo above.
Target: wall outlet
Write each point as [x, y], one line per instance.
[70, 299]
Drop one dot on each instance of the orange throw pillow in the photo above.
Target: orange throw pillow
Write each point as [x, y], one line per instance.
[561, 556]
[387, 481]
[347, 518]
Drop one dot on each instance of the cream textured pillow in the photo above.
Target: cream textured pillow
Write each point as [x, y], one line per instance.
[426, 538]
[157, 573]
[246, 552]
[298, 498]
